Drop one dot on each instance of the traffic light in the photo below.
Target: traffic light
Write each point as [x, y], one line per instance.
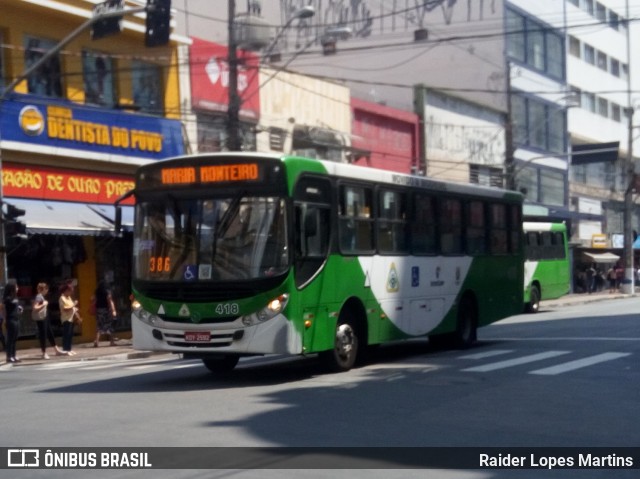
[107, 26]
[15, 231]
[158, 26]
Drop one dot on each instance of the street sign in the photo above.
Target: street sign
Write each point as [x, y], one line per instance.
[107, 26]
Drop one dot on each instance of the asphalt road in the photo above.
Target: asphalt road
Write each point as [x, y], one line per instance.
[564, 378]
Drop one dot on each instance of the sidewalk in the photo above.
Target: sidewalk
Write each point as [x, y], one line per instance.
[123, 349]
[84, 352]
[575, 299]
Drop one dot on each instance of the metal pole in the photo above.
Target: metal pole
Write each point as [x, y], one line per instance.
[233, 111]
[509, 160]
[630, 171]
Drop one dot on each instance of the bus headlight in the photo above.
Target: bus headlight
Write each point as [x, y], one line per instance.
[143, 315]
[273, 308]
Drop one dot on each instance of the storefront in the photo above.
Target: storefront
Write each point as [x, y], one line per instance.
[65, 165]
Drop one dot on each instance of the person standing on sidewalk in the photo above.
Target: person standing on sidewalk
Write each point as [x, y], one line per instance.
[105, 313]
[11, 312]
[68, 309]
[40, 315]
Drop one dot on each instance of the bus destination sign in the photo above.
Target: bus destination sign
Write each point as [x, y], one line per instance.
[228, 173]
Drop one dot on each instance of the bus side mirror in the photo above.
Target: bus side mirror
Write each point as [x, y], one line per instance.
[118, 220]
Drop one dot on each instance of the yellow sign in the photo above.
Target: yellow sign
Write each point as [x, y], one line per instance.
[599, 240]
[62, 126]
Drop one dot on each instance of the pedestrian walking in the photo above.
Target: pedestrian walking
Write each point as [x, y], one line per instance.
[105, 312]
[68, 310]
[12, 311]
[40, 315]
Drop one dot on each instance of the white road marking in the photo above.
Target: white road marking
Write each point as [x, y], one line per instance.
[516, 362]
[487, 354]
[579, 363]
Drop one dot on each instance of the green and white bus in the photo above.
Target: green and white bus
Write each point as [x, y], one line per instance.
[546, 267]
[239, 254]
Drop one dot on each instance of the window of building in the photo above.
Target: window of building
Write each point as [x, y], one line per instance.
[603, 107]
[616, 113]
[615, 67]
[579, 173]
[516, 36]
[212, 133]
[574, 46]
[519, 119]
[589, 101]
[575, 2]
[555, 54]
[557, 128]
[147, 87]
[451, 226]
[601, 12]
[538, 124]
[589, 54]
[614, 20]
[47, 79]
[97, 72]
[535, 46]
[486, 175]
[625, 72]
[587, 6]
[601, 61]
[552, 187]
[527, 182]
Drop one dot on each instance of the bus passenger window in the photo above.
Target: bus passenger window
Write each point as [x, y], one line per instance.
[355, 221]
[499, 237]
[451, 226]
[423, 226]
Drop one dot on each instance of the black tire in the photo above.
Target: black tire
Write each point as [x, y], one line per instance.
[467, 324]
[533, 306]
[222, 364]
[345, 351]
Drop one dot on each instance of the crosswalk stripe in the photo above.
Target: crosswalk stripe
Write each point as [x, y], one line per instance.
[487, 354]
[579, 363]
[516, 362]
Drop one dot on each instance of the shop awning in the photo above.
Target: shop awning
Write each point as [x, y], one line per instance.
[65, 218]
[603, 257]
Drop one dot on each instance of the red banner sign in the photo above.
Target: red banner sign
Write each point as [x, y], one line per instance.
[64, 185]
[210, 79]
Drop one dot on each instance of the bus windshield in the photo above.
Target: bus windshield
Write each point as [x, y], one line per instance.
[235, 238]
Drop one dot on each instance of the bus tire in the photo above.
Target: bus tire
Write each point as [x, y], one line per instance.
[221, 364]
[466, 331]
[533, 306]
[345, 351]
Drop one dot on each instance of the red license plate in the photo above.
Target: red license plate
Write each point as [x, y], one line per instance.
[197, 336]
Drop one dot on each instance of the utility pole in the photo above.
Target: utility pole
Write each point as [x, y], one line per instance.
[234, 142]
[629, 267]
[509, 159]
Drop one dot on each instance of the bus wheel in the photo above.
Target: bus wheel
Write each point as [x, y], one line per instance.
[533, 306]
[467, 324]
[343, 355]
[221, 364]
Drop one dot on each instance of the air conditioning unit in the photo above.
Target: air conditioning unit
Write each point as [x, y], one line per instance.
[252, 32]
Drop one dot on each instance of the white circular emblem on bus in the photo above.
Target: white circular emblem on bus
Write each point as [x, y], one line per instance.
[31, 120]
